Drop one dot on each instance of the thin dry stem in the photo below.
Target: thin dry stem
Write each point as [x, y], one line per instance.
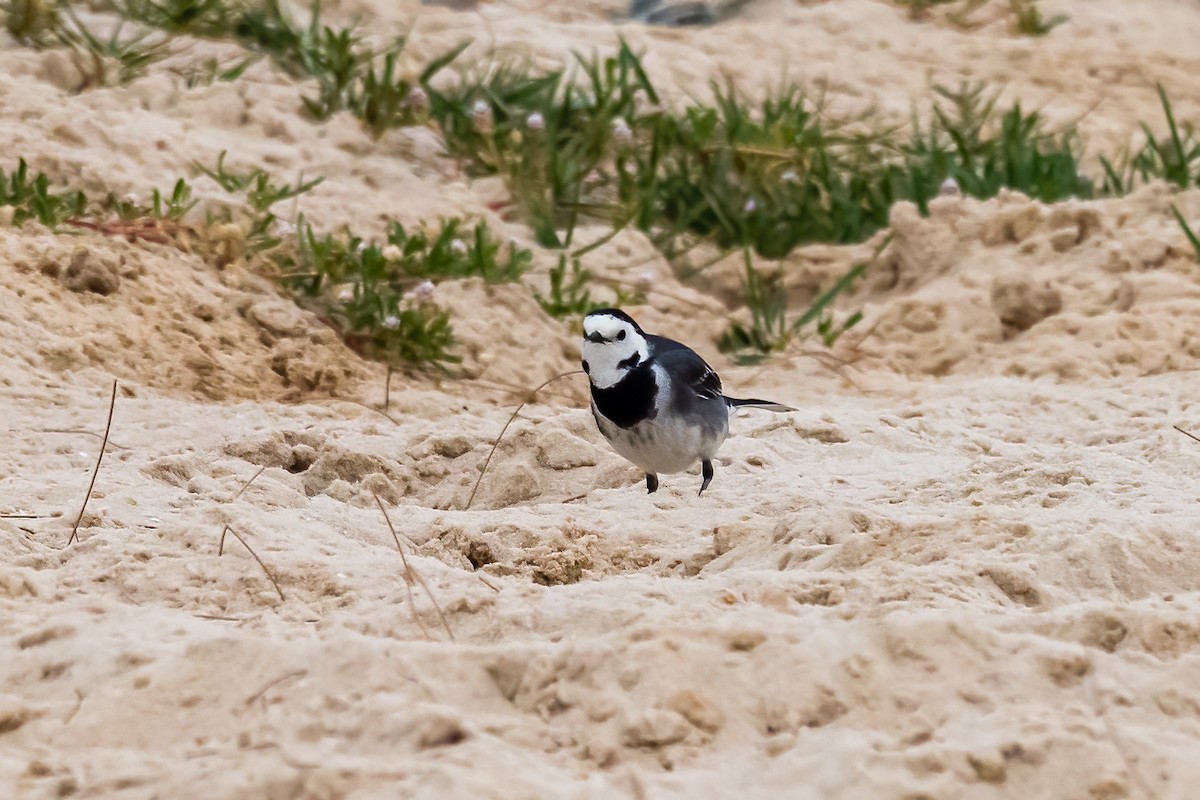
[1185, 433]
[112, 404]
[296, 673]
[250, 550]
[387, 392]
[245, 486]
[411, 574]
[504, 430]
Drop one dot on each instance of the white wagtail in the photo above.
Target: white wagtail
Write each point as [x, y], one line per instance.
[659, 404]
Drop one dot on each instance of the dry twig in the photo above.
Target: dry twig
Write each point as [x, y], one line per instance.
[411, 574]
[245, 486]
[504, 430]
[1185, 433]
[112, 404]
[250, 550]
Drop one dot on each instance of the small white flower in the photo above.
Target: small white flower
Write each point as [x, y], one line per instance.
[790, 177]
[481, 117]
[751, 206]
[362, 248]
[458, 247]
[949, 188]
[536, 121]
[346, 295]
[622, 134]
[422, 292]
[131, 198]
[391, 322]
[392, 252]
[416, 99]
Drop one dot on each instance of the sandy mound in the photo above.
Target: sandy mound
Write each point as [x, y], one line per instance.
[967, 567]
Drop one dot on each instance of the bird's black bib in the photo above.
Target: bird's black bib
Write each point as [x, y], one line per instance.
[631, 400]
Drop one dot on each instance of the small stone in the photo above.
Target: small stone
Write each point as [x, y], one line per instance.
[1021, 303]
[697, 711]
[988, 767]
[655, 727]
[745, 641]
[88, 274]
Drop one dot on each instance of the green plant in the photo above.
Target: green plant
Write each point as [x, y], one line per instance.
[454, 253]
[549, 134]
[30, 21]
[769, 330]
[919, 9]
[173, 207]
[31, 198]
[380, 295]
[569, 295]
[1028, 19]
[964, 142]
[43, 23]
[261, 193]
[1187, 230]
[374, 305]
[1174, 159]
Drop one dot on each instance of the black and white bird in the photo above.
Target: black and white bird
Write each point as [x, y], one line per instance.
[659, 404]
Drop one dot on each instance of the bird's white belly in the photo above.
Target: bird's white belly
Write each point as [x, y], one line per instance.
[662, 446]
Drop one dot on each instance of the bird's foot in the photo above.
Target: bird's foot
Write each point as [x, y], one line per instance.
[651, 483]
[706, 469]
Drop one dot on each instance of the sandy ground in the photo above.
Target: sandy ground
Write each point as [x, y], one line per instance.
[967, 567]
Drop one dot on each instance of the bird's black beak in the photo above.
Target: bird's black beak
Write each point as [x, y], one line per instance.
[594, 338]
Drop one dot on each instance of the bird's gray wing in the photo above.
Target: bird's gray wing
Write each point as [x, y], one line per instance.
[688, 369]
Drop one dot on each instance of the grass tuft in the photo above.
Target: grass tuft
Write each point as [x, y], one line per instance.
[380, 296]
[30, 197]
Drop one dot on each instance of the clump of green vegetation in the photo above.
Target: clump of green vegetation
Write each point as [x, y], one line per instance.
[1174, 159]
[770, 331]
[985, 151]
[919, 9]
[348, 74]
[551, 134]
[258, 186]
[102, 61]
[1028, 19]
[32, 198]
[570, 295]
[1192, 238]
[171, 207]
[261, 193]
[380, 296]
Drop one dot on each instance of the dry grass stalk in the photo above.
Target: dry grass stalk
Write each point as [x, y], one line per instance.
[528, 399]
[410, 575]
[112, 404]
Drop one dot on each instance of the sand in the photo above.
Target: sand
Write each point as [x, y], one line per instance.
[967, 567]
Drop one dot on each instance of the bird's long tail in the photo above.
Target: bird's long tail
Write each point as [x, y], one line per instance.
[765, 405]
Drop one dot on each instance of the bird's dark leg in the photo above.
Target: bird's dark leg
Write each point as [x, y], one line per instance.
[706, 469]
[651, 483]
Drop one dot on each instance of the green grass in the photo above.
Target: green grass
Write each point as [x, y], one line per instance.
[1028, 19]
[380, 295]
[1192, 238]
[119, 58]
[1174, 158]
[770, 331]
[31, 197]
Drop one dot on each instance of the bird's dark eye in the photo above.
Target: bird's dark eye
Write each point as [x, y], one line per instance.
[620, 336]
[587, 370]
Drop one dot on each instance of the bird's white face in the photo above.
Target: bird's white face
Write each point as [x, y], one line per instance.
[611, 347]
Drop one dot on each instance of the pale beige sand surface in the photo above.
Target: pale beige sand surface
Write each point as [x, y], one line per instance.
[967, 567]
